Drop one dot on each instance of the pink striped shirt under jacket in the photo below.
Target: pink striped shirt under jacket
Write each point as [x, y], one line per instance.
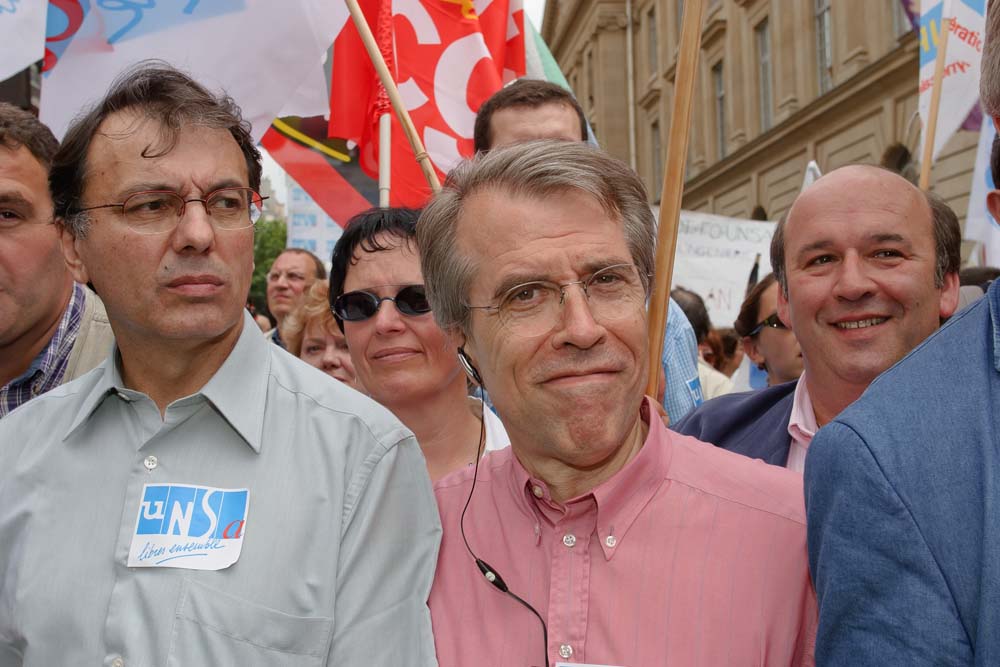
[688, 556]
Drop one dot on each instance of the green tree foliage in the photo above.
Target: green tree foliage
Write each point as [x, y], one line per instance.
[269, 240]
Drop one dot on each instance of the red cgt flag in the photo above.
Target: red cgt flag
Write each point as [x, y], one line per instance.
[448, 60]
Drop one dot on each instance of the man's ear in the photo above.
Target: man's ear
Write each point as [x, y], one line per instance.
[783, 311]
[461, 342]
[949, 295]
[993, 204]
[71, 253]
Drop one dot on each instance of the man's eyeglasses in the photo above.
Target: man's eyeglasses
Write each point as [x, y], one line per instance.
[534, 308]
[773, 321]
[159, 211]
[356, 306]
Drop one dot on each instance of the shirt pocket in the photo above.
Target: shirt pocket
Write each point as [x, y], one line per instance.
[215, 628]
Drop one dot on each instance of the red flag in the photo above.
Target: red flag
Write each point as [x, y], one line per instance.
[314, 170]
[448, 61]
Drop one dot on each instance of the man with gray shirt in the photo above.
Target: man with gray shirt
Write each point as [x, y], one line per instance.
[201, 498]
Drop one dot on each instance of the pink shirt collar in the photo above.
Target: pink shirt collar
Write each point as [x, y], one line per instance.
[802, 424]
[619, 500]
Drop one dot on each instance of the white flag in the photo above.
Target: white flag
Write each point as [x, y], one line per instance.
[259, 51]
[960, 81]
[813, 174]
[22, 34]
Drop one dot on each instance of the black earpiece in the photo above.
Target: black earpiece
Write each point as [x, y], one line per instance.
[470, 368]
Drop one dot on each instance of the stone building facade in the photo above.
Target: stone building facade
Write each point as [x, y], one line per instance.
[780, 83]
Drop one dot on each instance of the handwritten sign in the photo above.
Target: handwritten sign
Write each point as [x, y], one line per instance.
[715, 255]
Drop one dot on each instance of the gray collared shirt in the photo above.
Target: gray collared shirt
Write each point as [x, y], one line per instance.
[339, 544]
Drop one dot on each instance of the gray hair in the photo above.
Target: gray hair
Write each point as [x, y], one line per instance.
[535, 169]
[989, 81]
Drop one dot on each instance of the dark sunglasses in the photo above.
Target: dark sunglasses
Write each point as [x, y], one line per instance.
[772, 322]
[356, 306]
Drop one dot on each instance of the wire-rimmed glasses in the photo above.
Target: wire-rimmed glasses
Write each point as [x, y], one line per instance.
[159, 211]
[534, 308]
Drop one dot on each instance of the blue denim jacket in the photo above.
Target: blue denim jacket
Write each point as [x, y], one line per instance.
[903, 502]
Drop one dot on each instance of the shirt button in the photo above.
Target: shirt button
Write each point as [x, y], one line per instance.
[537, 490]
[118, 662]
[611, 541]
[569, 539]
[150, 462]
[565, 651]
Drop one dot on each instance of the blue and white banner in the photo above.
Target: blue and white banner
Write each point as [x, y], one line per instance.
[960, 81]
[979, 224]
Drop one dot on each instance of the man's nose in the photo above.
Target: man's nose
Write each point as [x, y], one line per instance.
[853, 280]
[577, 327]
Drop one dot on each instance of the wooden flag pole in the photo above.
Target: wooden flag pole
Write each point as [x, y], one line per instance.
[673, 182]
[393, 92]
[930, 127]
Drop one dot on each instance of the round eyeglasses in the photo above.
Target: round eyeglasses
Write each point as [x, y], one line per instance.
[535, 308]
[773, 321]
[410, 300]
[159, 211]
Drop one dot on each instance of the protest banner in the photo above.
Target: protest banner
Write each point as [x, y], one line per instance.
[960, 69]
[210, 41]
[715, 256]
[22, 35]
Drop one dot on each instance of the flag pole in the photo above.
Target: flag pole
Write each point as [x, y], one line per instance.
[384, 159]
[930, 127]
[673, 183]
[393, 92]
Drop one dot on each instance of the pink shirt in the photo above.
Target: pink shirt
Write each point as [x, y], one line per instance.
[690, 555]
[801, 426]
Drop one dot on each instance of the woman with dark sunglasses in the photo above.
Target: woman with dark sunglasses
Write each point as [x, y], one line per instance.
[401, 356]
[766, 340]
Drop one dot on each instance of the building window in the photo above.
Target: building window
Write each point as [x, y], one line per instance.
[824, 45]
[762, 34]
[653, 41]
[720, 109]
[657, 161]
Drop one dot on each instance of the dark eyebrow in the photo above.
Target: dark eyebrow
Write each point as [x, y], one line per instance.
[164, 187]
[888, 238]
[13, 198]
[824, 244]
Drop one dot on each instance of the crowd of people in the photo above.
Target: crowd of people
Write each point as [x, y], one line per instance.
[466, 470]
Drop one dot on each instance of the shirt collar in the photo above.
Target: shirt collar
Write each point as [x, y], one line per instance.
[60, 345]
[619, 499]
[802, 425]
[108, 382]
[993, 294]
[238, 390]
